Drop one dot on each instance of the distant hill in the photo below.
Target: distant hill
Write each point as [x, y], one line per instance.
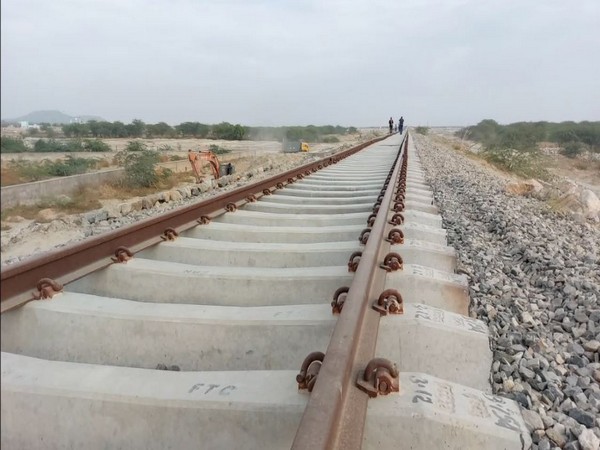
[51, 116]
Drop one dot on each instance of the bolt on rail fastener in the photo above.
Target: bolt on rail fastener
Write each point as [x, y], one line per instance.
[389, 302]
[339, 297]
[380, 377]
[47, 288]
[310, 370]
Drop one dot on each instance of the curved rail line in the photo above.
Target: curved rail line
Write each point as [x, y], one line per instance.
[210, 326]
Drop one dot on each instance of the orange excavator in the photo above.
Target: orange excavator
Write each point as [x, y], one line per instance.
[213, 161]
[207, 155]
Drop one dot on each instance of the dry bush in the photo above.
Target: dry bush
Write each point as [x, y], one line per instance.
[587, 165]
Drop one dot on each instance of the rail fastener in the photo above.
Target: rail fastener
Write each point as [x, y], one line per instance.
[395, 236]
[392, 262]
[47, 288]
[310, 370]
[389, 302]
[339, 298]
[170, 234]
[396, 219]
[398, 207]
[380, 377]
[122, 255]
[364, 236]
[231, 207]
[354, 261]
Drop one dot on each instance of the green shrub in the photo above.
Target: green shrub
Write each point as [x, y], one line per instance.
[218, 150]
[136, 146]
[70, 166]
[422, 130]
[35, 171]
[12, 145]
[306, 134]
[522, 163]
[95, 145]
[54, 146]
[140, 167]
[46, 146]
[572, 149]
[165, 173]
[330, 140]
[29, 170]
[525, 133]
[228, 131]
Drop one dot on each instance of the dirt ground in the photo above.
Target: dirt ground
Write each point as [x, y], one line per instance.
[180, 147]
[25, 237]
[582, 171]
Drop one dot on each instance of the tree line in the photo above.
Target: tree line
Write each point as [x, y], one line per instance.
[223, 130]
[525, 136]
[17, 145]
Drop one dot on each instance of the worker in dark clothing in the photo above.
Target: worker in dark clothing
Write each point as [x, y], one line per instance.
[401, 124]
[391, 122]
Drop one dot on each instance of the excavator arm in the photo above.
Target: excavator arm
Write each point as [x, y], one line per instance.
[213, 162]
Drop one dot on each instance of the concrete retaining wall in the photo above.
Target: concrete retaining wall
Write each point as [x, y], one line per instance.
[30, 193]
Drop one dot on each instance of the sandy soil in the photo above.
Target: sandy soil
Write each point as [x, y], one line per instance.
[180, 147]
[26, 237]
[585, 173]
[582, 172]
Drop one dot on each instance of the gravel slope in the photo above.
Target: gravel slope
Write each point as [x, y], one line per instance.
[535, 279]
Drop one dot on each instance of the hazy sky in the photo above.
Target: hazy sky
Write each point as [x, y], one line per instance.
[278, 62]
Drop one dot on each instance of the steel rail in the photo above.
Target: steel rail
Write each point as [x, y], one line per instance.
[19, 281]
[336, 411]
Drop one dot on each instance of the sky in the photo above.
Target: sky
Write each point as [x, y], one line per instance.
[301, 62]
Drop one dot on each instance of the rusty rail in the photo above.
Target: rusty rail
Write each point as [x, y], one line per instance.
[70, 263]
[335, 415]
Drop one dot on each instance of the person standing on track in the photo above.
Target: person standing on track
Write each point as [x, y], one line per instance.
[391, 122]
[401, 124]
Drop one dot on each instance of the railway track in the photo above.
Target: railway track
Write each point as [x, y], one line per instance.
[327, 314]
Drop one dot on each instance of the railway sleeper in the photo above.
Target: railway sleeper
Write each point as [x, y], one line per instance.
[436, 288]
[249, 254]
[238, 232]
[291, 202]
[168, 282]
[339, 186]
[258, 218]
[319, 193]
[99, 330]
[276, 208]
[144, 409]
[302, 200]
[432, 340]
[91, 329]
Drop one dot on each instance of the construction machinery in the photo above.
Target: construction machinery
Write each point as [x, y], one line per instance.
[216, 168]
[213, 161]
[294, 146]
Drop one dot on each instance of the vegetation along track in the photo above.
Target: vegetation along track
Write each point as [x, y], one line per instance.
[324, 315]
